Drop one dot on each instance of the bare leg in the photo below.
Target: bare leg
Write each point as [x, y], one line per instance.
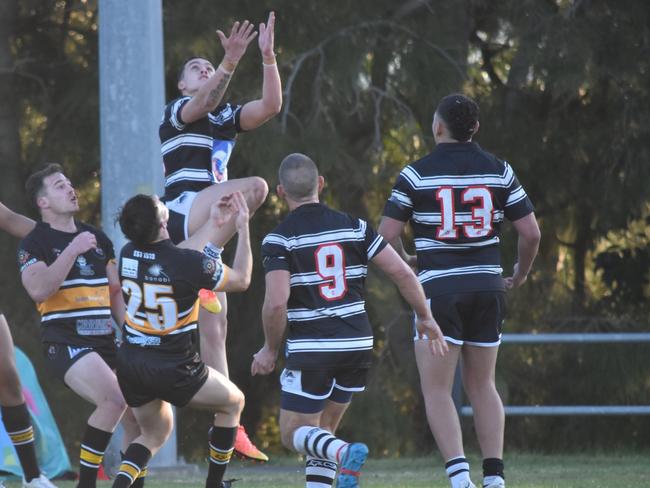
[479, 364]
[436, 381]
[94, 381]
[156, 421]
[214, 328]
[220, 394]
[254, 189]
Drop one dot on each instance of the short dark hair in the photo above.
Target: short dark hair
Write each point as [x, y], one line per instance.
[34, 184]
[140, 220]
[460, 115]
[181, 71]
[298, 176]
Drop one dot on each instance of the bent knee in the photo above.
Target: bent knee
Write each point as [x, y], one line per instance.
[114, 405]
[258, 191]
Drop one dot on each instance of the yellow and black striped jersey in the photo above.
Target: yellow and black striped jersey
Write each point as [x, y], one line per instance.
[79, 313]
[160, 283]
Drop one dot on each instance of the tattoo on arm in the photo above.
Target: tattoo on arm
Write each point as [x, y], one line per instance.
[215, 95]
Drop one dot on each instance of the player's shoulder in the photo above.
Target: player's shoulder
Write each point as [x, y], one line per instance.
[84, 227]
[40, 233]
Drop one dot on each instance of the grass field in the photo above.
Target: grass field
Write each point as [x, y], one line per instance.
[522, 471]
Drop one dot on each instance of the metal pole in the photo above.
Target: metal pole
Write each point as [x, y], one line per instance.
[132, 97]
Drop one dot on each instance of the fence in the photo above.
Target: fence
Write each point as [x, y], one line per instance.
[590, 338]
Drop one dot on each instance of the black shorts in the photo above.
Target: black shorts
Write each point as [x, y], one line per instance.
[306, 391]
[145, 374]
[60, 357]
[474, 318]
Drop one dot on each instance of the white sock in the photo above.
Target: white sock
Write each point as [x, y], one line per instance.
[319, 443]
[488, 480]
[319, 473]
[458, 471]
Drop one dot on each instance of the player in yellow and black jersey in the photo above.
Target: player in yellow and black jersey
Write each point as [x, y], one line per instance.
[68, 269]
[158, 364]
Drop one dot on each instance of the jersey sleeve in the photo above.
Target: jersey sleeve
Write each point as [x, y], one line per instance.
[400, 203]
[207, 269]
[106, 245]
[373, 242]
[225, 119]
[517, 204]
[29, 252]
[172, 115]
[275, 255]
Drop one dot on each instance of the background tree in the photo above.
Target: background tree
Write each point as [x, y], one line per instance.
[563, 89]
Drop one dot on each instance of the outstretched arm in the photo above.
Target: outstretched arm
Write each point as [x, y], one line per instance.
[14, 223]
[208, 97]
[256, 112]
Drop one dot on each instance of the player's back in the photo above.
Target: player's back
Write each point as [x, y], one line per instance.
[160, 283]
[326, 253]
[456, 199]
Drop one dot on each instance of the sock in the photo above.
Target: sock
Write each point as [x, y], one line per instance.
[319, 473]
[134, 462]
[139, 481]
[93, 445]
[492, 471]
[19, 427]
[222, 440]
[314, 441]
[457, 470]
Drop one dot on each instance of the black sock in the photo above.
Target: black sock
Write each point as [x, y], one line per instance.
[134, 462]
[93, 445]
[139, 481]
[222, 440]
[493, 467]
[19, 427]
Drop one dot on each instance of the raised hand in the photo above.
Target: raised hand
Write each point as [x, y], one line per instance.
[236, 44]
[241, 209]
[83, 242]
[222, 212]
[266, 39]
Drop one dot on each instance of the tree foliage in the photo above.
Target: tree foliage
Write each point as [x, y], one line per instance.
[563, 87]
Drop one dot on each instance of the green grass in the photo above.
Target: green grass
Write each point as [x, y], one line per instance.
[522, 471]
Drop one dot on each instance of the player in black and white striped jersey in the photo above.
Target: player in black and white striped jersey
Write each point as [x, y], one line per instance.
[198, 134]
[316, 263]
[456, 199]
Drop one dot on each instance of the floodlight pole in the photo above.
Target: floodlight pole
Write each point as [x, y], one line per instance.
[132, 97]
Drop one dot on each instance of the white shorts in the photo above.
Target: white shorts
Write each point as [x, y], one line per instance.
[179, 212]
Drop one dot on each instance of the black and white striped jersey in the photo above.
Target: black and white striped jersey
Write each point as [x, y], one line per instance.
[326, 253]
[160, 283]
[456, 199]
[196, 155]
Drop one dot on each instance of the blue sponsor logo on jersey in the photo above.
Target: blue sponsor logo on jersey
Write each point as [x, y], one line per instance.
[221, 151]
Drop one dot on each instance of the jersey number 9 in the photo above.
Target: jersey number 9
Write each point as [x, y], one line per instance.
[330, 265]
